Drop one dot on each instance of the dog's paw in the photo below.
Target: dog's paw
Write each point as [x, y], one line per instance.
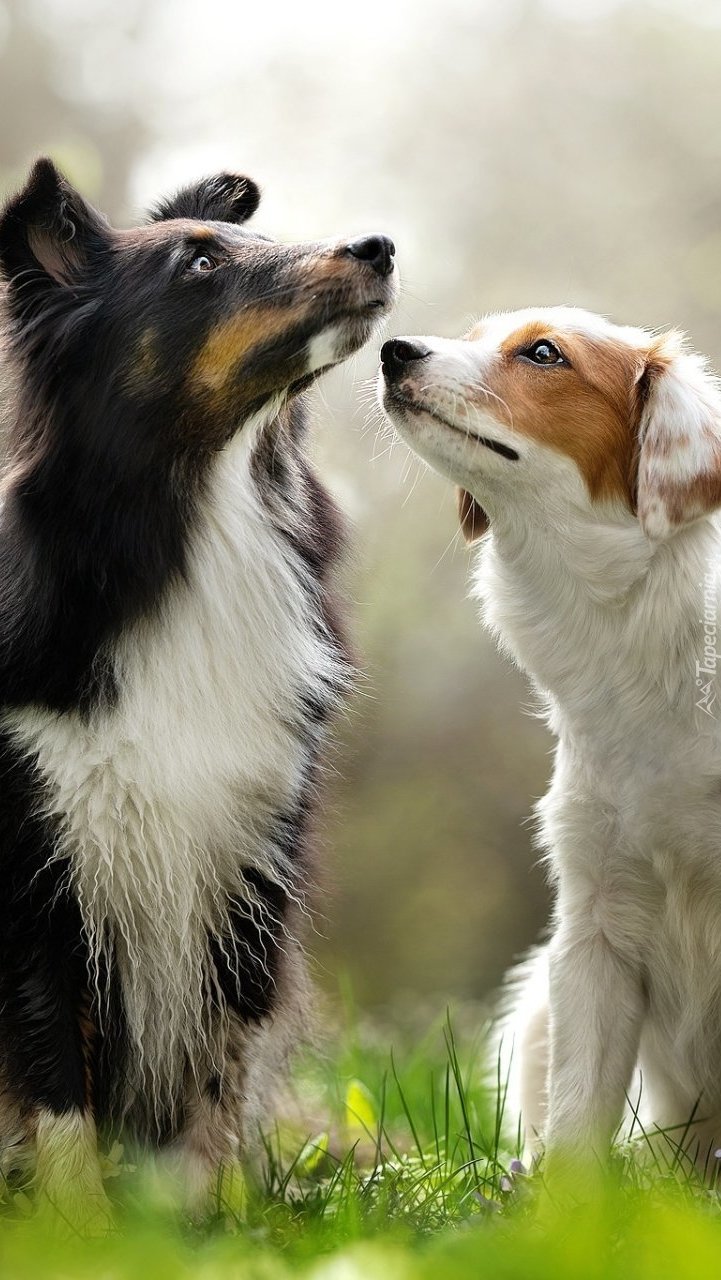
[64, 1214]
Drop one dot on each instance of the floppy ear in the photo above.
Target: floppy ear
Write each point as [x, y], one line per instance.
[474, 521]
[48, 236]
[226, 197]
[679, 472]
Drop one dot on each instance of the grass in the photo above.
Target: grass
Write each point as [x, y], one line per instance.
[393, 1161]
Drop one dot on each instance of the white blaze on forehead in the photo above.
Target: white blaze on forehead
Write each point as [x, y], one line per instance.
[498, 326]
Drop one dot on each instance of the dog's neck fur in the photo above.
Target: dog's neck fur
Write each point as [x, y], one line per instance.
[169, 800]
[606, 625]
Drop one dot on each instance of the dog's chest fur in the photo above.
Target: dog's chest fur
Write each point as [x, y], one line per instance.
[632, 821]
[165, 800]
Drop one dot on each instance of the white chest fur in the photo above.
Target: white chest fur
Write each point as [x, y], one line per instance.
[624, 653]
[165, 799]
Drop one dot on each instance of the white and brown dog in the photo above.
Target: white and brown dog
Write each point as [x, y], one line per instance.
[593, 453]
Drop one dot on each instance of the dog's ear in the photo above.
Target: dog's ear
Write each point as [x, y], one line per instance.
[474, 521]
[48, 236]
[679, 465]
[226, 197]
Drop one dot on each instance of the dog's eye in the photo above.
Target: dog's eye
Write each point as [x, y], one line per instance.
[202, 262]
[543, 352]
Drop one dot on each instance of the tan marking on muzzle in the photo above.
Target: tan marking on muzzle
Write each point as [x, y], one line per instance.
[335, 266]
[229, 342]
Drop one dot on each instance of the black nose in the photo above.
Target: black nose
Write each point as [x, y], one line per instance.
[378, 251]
[398, 353]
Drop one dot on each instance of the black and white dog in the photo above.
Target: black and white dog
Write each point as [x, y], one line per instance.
[170, 656]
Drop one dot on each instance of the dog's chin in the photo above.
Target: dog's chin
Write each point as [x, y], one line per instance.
[421, 423]
[416, 421]
[441, 450]
[360, 322]
[403, 407]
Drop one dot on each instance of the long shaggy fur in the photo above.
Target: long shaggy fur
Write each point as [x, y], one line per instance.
[171, 657]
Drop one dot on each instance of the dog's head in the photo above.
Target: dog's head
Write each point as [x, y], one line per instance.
[183, 328]
[559, 410]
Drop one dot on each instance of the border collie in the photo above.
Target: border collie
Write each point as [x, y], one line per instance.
[593, 453]
[171, 652]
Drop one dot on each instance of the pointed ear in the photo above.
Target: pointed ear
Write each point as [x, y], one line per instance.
[474, 521]
[48, 234]
[679, 471]
[226, 197]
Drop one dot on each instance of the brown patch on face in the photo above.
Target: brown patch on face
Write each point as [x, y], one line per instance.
[588, 409]
[144, 364]
[230, 342]
[178, 232]
[336, 267]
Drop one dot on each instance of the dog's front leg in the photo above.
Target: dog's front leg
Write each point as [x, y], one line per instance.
[596, 1008]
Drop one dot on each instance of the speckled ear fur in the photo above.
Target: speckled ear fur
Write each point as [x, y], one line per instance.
[679, 474]
[474, 521]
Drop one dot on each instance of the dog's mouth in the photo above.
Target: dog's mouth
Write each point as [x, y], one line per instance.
[361, 301]
[373, 309]
[417, 406]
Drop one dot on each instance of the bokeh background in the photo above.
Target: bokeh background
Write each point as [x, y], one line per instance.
[519, 152]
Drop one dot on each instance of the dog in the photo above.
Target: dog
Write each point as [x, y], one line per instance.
[172, 652]
[588, 463]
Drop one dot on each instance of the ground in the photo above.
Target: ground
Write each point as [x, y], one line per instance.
[391, 1162]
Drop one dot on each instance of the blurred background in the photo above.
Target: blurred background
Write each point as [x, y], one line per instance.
[520, 152]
